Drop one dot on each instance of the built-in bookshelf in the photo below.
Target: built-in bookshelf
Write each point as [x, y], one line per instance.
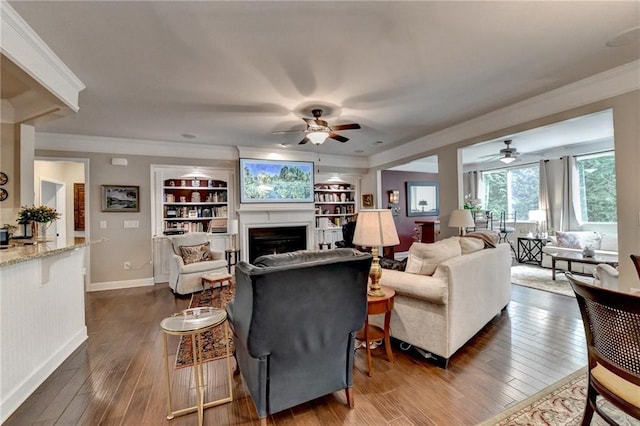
[195, 205]
[335, 204]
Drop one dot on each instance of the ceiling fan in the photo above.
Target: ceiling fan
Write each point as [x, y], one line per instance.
[318, 130]
[508, 154]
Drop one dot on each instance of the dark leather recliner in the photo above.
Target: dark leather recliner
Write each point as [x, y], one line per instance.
[348, 229]
[294, 320]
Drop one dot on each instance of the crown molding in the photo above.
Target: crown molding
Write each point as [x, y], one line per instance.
[610, 83]
[105, 145]
[322, 160]
[22, 46]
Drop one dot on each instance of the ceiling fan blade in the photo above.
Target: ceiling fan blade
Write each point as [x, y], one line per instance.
[346, 126]
[338, 137]
[303, 141]
[277, 132]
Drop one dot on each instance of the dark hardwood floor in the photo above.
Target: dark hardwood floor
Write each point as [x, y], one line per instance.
[117, 377]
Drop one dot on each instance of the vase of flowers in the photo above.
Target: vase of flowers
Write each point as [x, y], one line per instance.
[39, 218]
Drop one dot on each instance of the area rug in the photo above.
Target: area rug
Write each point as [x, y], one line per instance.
[540, 278]
[561, 404]
[213, 346]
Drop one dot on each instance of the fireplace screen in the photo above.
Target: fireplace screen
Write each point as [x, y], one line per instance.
[276, 240]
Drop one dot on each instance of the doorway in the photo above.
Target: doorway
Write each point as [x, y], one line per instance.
[52, 194]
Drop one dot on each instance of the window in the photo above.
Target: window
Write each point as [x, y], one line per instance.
[514, 189]
[597, 187]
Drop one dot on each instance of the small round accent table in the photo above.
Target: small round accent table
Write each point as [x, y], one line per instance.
[192, 323]
[371, 333]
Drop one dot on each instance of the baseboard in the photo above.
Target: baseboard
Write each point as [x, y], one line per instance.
[39, 375]
[115, 285]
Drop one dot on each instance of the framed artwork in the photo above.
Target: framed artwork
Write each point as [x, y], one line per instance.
[276, 181]
[422, 199]
[367, 201]
[120, 198]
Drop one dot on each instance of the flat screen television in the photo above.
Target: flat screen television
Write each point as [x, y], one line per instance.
[276, 181]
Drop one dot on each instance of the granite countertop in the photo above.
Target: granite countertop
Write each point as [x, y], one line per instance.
[25, 250]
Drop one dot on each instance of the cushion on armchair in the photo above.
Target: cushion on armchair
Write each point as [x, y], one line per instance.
[197, 253]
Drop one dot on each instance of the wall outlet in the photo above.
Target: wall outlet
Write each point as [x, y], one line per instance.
[127, 265]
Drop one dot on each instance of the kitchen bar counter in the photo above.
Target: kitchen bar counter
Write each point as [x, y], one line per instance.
[42, 289]
[24, 250]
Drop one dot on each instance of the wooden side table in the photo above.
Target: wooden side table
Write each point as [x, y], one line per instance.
[371, 333]
[213, 279]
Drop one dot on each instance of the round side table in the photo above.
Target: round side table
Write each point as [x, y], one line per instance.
[192, 323]
[371, 333]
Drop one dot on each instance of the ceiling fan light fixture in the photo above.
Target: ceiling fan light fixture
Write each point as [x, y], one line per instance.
[508, 159]
[317, 138]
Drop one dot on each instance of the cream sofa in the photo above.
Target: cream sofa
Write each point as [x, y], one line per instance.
[604, 243]
[440, 313]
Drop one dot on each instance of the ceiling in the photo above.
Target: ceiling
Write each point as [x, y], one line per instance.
[232, 72]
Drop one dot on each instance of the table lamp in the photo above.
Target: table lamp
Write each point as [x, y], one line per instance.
[461, 219]
[233, 231]
[538, 216]
[374, 228]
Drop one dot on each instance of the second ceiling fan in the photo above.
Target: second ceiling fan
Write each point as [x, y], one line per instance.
[318, 130]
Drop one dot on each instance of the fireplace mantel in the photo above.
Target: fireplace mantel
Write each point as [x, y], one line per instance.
[273, 216]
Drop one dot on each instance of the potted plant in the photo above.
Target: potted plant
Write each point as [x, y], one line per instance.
[40, 217]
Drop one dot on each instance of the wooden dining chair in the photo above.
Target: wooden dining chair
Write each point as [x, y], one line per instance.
[635, 258]
[611, 322]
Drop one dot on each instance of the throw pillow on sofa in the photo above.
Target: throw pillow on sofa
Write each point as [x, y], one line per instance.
[424, 258]
[193, 254]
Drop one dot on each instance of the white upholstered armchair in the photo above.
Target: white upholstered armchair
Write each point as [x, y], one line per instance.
[606, 276]
[186, 276]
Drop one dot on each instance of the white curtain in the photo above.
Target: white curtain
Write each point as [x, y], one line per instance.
[472, 185]
[559, 193]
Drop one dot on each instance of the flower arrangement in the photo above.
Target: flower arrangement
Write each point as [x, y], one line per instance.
[40, 214]
[472, 203]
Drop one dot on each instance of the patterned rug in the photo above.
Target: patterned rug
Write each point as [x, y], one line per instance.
[561, 404]
[540, 278]
[213, 346]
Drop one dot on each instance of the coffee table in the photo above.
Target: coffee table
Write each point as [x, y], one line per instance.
[575, 257]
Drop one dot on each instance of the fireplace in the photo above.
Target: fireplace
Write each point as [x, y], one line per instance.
[282, 239]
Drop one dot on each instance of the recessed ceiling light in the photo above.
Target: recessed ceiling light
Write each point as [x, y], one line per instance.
[379, 142]
[283, 145]
[630, 36]
[188, 136]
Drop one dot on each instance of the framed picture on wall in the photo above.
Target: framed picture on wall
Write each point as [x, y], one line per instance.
[120, 198]
[422, 199]
[367, 201]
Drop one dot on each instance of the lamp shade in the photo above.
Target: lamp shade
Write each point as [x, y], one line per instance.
[537, 215]
[375, 228]
[233, 227]
[461, 219]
